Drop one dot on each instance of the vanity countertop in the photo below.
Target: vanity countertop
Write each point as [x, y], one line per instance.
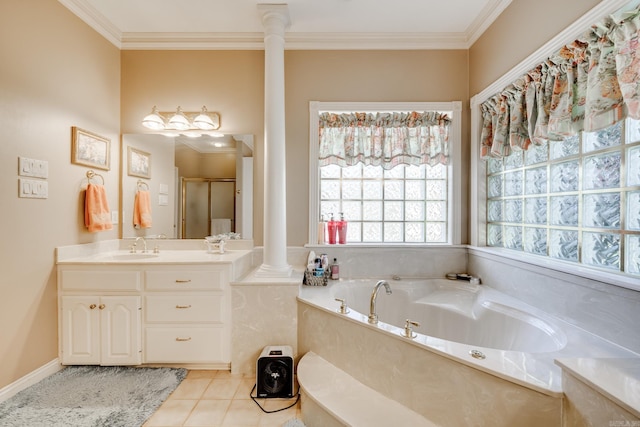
[162, 257]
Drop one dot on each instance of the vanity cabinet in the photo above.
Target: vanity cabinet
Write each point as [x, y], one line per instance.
[100, 316]
[145, 314]
[187, 315]
[101, 330]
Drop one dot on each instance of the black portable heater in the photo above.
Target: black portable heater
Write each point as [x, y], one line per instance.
[274, 372]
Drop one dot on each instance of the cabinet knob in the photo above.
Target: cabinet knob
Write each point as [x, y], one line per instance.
[101, 306]
[183, 306]
[92, 306]
[183, 339]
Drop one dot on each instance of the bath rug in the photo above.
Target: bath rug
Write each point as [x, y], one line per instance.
[92, 396]
[294, 422]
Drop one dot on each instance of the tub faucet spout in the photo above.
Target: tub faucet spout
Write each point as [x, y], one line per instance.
[373, 317]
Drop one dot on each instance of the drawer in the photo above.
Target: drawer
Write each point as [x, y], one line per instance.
[172, 280]
[186, 345]
[184, 308]
[100, 280]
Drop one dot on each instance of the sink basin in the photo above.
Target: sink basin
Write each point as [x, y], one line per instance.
[131, 256]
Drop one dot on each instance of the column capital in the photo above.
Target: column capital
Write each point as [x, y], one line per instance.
[275, 17]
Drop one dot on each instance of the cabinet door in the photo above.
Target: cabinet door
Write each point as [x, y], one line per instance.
[120, 324]
[80, 340]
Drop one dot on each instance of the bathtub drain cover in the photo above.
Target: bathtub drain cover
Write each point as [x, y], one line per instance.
[477, 354]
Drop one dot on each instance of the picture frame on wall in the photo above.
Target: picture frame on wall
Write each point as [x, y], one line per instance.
[90, 149]
[138, 163]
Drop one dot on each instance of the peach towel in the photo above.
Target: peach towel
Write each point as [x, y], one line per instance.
[97, 216]
[142, 210]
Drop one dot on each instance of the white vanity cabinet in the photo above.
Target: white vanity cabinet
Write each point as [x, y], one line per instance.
[187, 315]
[145, 313]
[98, 327]
[100, 330]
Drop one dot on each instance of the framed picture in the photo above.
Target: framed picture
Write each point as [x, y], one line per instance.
[138, 163]
[89, 149]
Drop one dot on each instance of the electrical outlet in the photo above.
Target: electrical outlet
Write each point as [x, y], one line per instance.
[114, 217]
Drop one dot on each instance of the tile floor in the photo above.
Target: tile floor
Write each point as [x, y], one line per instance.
[219, 399]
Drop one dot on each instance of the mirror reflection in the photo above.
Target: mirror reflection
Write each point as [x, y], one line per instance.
[198, 186]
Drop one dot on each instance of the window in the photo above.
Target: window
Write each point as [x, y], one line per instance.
[576, 200]
[405, 204]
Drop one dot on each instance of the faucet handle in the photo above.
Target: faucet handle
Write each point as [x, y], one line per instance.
[408, 329]
[343, 306]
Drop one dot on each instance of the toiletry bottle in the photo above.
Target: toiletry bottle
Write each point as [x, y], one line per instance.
[322, 230]
[342, 230]
[332, 228]
[335, 270]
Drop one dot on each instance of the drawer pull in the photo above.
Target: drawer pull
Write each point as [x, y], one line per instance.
[183, 339]
[183, 306]
[183, 280]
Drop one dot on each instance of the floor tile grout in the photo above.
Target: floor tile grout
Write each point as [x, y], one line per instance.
[186, 404]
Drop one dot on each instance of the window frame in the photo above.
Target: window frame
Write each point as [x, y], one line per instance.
[454, 170]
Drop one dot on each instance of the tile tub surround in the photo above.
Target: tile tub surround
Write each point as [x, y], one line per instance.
[601, 391]
[608, 311]
[520, 342]
[442, 390]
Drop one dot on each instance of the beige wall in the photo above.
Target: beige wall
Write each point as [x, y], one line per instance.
[56, 73]
[520, 30]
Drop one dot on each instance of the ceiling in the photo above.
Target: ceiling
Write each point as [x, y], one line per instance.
[315, 24]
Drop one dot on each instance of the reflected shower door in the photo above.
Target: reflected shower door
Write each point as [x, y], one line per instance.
[195, 209]
[204, 200]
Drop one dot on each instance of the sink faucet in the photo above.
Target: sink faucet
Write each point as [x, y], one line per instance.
[144, 242]
[373, 317]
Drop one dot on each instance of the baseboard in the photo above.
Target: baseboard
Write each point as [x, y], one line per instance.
[30, 379]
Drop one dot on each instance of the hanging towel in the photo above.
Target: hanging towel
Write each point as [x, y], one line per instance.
[142, 210]
[97, 216]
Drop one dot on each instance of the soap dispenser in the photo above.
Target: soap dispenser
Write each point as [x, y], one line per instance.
[342, 229]
[332, 227]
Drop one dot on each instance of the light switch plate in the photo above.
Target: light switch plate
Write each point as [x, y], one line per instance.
[33, 188]
[33, 167]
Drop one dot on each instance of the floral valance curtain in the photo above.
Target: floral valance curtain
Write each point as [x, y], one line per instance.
[384, 139]
[588, 85]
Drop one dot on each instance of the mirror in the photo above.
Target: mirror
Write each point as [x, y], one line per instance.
[198, 186]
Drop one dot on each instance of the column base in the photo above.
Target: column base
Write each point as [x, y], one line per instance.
[266, 270]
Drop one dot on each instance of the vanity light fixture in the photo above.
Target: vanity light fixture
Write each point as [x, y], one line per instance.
[179, 121]
[182, 120]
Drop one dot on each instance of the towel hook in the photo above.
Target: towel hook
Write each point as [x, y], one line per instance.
[143, 185]
[91, 174]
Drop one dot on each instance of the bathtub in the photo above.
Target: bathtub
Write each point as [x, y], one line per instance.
[473, 325]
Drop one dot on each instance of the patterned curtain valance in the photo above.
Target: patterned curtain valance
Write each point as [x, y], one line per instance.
[588, 85]
[384, 139]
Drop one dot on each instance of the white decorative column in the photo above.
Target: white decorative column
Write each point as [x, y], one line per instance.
[275, 19]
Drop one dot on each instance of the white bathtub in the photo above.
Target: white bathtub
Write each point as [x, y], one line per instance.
[472, 324]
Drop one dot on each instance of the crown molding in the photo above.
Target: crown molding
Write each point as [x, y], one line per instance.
[83, 10]
[484, 20]
[293, 41]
